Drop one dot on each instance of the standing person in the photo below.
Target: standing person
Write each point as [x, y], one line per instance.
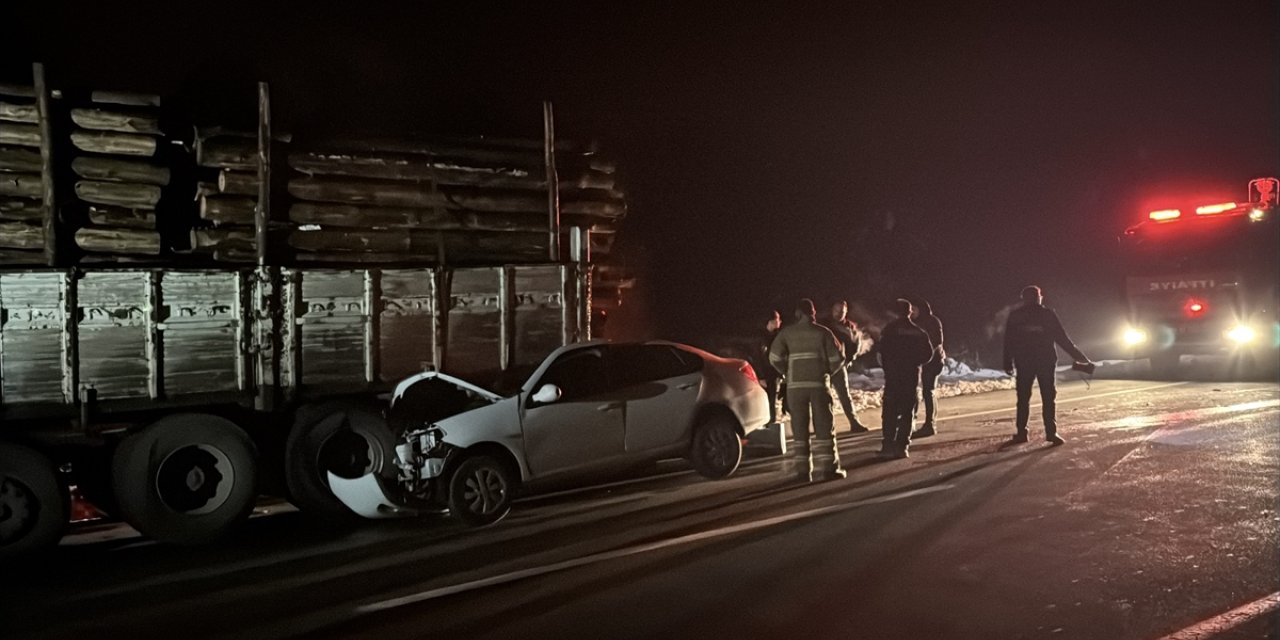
[849, 337]
[769, 378]
[932, 326]
[904, 347]
[1029, 339]
[807, 354]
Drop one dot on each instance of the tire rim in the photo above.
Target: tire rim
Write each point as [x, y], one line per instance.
[717, 447]
[348, 454]
[484, 491]
[195, 479]
[19, 510]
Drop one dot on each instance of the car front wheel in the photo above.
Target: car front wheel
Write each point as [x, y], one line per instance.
[480, 490]
[716, 451]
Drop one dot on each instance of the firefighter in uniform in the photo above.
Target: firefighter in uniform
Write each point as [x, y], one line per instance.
[1029, 339]
[925, 319]
[807, 354]
[904, 347]
[848, 335]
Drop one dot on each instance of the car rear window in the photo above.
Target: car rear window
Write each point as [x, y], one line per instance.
[639, 363]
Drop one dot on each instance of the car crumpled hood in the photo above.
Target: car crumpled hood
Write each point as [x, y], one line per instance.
[426, 376]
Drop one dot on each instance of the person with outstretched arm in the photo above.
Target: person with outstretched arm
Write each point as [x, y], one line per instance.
[1031, 337]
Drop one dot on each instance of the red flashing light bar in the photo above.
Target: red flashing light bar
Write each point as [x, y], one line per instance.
[1211, 209]
[1163, 215]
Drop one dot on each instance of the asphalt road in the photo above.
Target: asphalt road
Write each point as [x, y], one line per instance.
[1160, 513]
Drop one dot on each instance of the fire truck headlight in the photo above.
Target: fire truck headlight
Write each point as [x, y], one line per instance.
[1133, 337]
[1241, 334]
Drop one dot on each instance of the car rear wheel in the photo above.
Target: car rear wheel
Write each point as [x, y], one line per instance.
[716, 450]
[480, 490]
[33, 503]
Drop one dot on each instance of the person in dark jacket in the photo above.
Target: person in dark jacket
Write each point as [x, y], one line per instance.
[769, 377]
[807, 354]
[850, 337]
[925, 319]
[1029, 338]
[904, 348]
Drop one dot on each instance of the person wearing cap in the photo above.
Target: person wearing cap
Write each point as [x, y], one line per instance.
[904, 348]
[807, 354]
[1030, 336]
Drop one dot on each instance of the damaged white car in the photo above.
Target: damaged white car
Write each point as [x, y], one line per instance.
[587, 408]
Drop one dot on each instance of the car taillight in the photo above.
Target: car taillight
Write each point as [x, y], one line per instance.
[1164, 215]
[749, 372]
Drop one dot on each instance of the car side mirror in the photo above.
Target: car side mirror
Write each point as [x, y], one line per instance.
[547, 394]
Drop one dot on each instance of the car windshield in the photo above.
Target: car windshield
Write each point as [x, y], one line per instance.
[508, 383]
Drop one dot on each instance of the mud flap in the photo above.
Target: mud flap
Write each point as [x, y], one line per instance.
[367, 497]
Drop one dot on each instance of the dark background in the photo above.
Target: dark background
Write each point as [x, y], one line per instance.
[766, 148]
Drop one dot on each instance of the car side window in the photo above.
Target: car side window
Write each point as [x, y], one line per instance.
[579, 374]
[636, 364]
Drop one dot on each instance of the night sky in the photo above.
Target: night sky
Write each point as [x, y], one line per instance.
[764, 149]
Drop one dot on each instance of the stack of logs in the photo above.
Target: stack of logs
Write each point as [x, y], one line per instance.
[227, 196]
[21, 186]
[120, 171]
[457, 202]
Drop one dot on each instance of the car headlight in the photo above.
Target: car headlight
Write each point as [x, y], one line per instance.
[1134, 336]
[1240, 334]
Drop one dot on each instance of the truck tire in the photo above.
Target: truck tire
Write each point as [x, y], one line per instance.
[480, 490]
[716, 450]
[349, 441]
[34, 506]
[186, 479]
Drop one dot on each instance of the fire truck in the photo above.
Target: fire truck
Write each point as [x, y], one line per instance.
[1204, 279]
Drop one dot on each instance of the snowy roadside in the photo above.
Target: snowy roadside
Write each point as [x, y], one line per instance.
[959, 378]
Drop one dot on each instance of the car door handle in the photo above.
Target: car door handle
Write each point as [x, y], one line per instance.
[686, 386]
[612, 406]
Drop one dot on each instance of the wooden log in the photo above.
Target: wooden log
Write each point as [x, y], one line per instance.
[104, 216]
[442, 172]
[525, 157]
[15, 257]
[20, 235]
[22, 135]
[126, 98]
[127, 144]
[206, 189]
[362, 217]
[52, 222]
[235, 254]
[227, 209]
[100, 120]
[114, 170]
[405, 194]
[31, 209]
[608, 209]
[458, 246]
[19, 159]
[22, 185]
[366, 257]
[227, 153]
[210, 239]
[237, 183]
[19, 112]
[128, 241]
[17, 90]
[128, 195]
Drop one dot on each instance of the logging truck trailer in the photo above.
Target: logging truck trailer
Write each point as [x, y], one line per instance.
[172, 398]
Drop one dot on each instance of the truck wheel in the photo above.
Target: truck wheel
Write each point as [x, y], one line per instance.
[716, 450]
[347, 440]
[186, 478]
[34, 506]
[480, 490]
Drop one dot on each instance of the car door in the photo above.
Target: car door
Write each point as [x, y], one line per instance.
[660, 384]
[583, 429]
